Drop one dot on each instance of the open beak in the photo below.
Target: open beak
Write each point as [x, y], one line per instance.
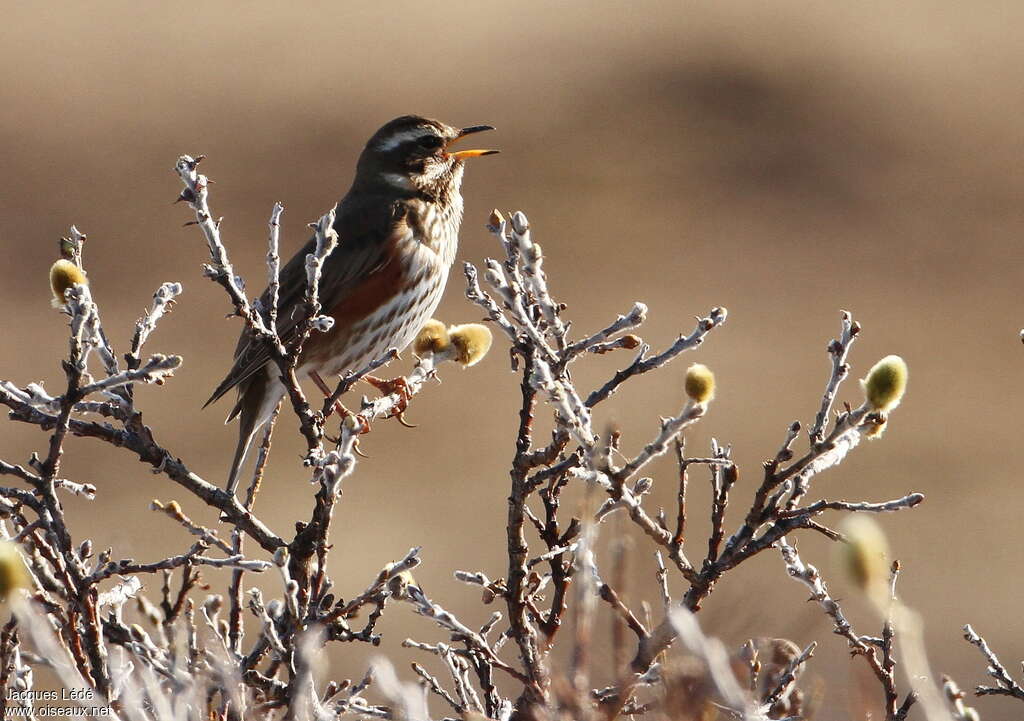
[463, 154]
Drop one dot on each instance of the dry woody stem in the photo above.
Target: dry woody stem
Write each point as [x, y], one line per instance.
[154, 639]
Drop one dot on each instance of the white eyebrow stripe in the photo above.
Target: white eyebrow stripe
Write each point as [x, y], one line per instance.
[395, 140]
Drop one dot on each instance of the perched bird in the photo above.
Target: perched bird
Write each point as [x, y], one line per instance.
[398, 229]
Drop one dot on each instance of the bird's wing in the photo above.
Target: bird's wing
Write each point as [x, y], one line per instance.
[367, 232]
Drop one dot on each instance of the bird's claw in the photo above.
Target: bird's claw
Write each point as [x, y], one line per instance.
[396, 386]
[355, 448]
[364, 427]
[343, 413]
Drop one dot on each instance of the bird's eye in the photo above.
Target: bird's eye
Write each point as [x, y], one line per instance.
[430, 142]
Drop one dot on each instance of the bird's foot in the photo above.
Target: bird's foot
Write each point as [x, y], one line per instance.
[396, 386]
[364, 427]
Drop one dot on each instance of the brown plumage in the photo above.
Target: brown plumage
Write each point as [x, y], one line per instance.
[397, 235]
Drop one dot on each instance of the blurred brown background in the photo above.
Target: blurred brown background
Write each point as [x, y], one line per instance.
[785, 160]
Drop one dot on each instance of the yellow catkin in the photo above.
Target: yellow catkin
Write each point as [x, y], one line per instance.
[700, 383]
[13, 574]
[433, 337]
[63, 275]
[885, 383]
[865, 556]
[471, 342]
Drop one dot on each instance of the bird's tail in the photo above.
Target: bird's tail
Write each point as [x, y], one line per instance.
[257, 399]
[246, 433]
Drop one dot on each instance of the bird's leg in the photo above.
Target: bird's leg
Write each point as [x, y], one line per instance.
[398, 386]
[337, 407]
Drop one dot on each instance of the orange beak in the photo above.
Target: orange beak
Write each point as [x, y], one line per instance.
[463, 154]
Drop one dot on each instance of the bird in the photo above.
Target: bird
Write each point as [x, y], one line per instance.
[398, 228]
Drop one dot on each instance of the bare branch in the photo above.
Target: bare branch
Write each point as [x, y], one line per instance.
[1005, 685]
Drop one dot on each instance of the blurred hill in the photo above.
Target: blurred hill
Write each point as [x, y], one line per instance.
[785, 160]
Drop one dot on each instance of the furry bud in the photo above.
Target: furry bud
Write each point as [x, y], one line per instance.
[13, 574]
[878, 426]
[885, 383]
[63, 275]
[399, 584]
[700, 383]
[470, 342]
[433, 337]
[213, 604]
[519, 222]
[865, 554]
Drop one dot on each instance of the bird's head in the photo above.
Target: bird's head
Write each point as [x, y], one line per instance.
[415, 155]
